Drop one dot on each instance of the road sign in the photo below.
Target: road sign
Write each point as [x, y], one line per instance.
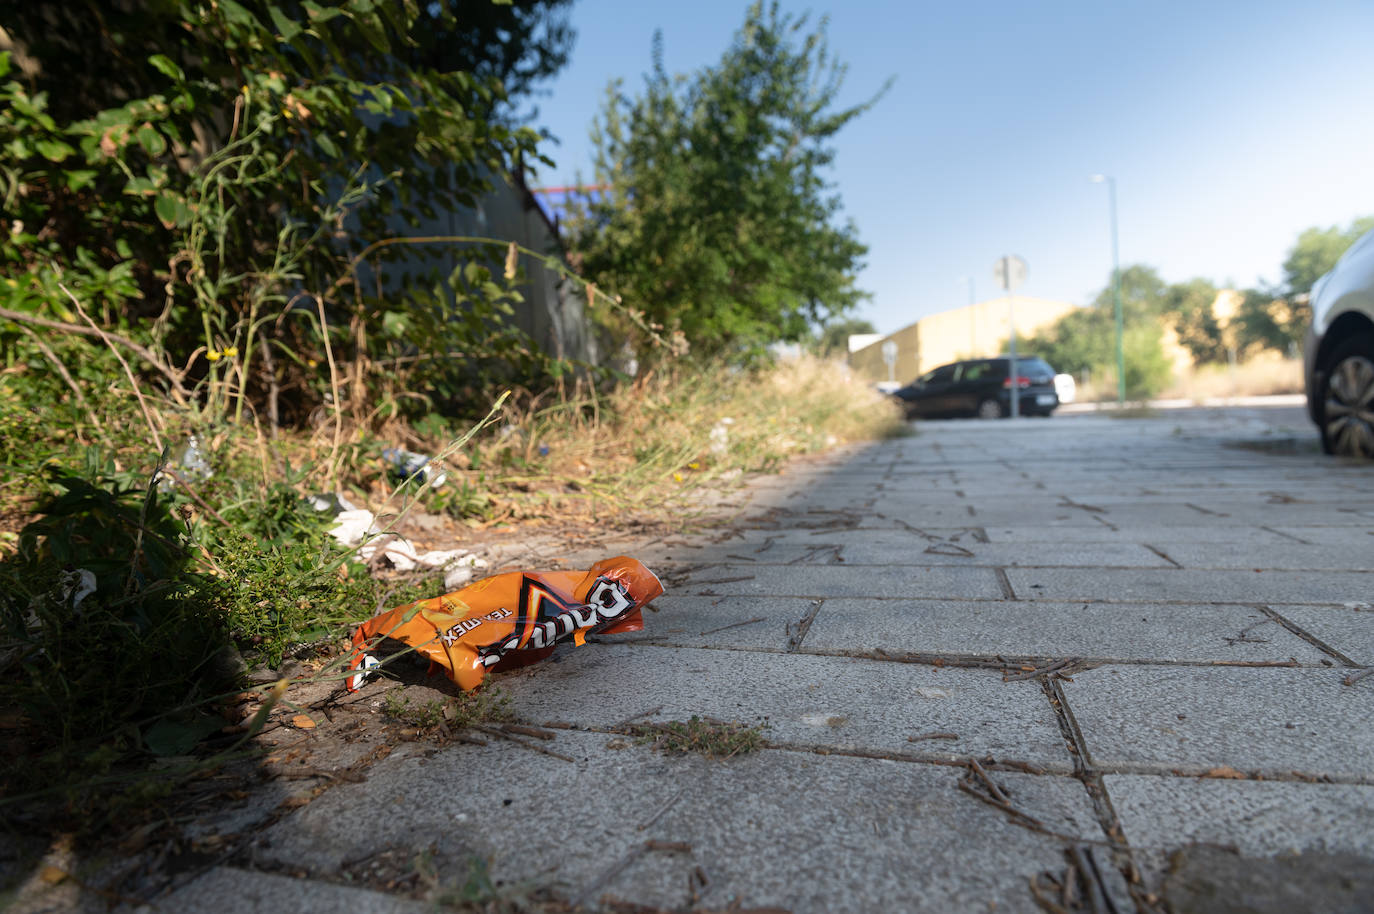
[1009, 272]
[890, 352]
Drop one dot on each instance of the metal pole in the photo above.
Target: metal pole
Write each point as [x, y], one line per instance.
[1116, 296]
[972, 322]
[1011, 319]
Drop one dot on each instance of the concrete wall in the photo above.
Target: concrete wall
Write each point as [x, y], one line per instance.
[973, 331]
[868, 362]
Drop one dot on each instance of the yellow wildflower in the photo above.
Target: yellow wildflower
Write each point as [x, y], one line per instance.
[213, 355]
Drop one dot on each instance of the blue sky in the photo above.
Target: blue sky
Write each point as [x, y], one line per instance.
[1229, 128]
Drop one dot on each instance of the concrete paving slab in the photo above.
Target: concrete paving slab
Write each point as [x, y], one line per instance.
[1295, 514]
[1322, 534]
[842, 581]
[1258, 818]
[1189, 585]
[873, 530]
[1136, 533]
[1196, 633]
[1347, 556]
[836, 703]
[225, 890]
[1347, 629]
[1010, 514]
[795, 831]
[917, 551]
[1193, 719]
[719, 622]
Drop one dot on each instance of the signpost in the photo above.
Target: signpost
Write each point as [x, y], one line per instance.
[1010, 271]
[890, 357]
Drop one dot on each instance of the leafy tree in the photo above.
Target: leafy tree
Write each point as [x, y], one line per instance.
[1277, 318]
[207, 176]
[518, 43]
[1085, 339]
[1143, 294]
[1189, 306]
[1316, 251]
[834, 336]
[1266, 320]
[719, 223]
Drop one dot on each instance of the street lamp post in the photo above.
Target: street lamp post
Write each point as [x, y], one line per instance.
[1116, 289]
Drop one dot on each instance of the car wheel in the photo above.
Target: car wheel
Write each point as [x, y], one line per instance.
[1347, 398]
[989, 409]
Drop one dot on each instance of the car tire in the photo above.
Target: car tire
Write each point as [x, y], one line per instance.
[1347, 400]
[989, 409]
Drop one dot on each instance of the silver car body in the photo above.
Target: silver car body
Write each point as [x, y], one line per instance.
[1338, 353]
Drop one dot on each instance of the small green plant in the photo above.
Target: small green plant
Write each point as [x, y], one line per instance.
[107, 626]
[702, 735]
[483, 706]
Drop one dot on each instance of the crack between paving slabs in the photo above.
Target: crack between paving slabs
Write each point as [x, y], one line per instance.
[1305, 635]
[795, 638]
[1091, 778]
[1287, 536]
[1004, 582]
[1011, 665]
[1162, 554]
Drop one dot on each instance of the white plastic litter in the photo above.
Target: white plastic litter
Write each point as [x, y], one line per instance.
[351, 526]
[720, 437]
[77, 585]
[334, 503]
[357, 526]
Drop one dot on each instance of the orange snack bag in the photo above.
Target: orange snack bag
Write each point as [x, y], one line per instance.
[512, 619]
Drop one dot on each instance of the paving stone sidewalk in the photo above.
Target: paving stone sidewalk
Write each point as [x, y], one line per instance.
[1003, 666]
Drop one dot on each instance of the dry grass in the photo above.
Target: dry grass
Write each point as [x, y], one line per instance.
[1265, 374]
[1262, 375]
[646, 445]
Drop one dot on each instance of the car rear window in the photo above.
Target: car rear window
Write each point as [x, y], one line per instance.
[1034, 367]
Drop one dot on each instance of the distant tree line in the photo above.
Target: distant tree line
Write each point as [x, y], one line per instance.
[1265, 319]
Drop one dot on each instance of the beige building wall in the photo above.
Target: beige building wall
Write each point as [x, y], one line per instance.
[868, 362]
[974, 331]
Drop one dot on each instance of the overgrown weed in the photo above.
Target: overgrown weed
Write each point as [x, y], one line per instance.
[487, 705]
[702, 736]
[642, 448]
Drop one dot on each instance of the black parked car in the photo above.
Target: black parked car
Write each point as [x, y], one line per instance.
[981, 387]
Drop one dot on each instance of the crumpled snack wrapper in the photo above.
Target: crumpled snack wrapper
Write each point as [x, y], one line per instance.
[509, 620]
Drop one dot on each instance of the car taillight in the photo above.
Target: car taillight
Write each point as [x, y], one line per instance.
[1020, 382]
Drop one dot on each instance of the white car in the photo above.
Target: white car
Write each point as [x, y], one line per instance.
[1066, 388]
[1338, 353]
